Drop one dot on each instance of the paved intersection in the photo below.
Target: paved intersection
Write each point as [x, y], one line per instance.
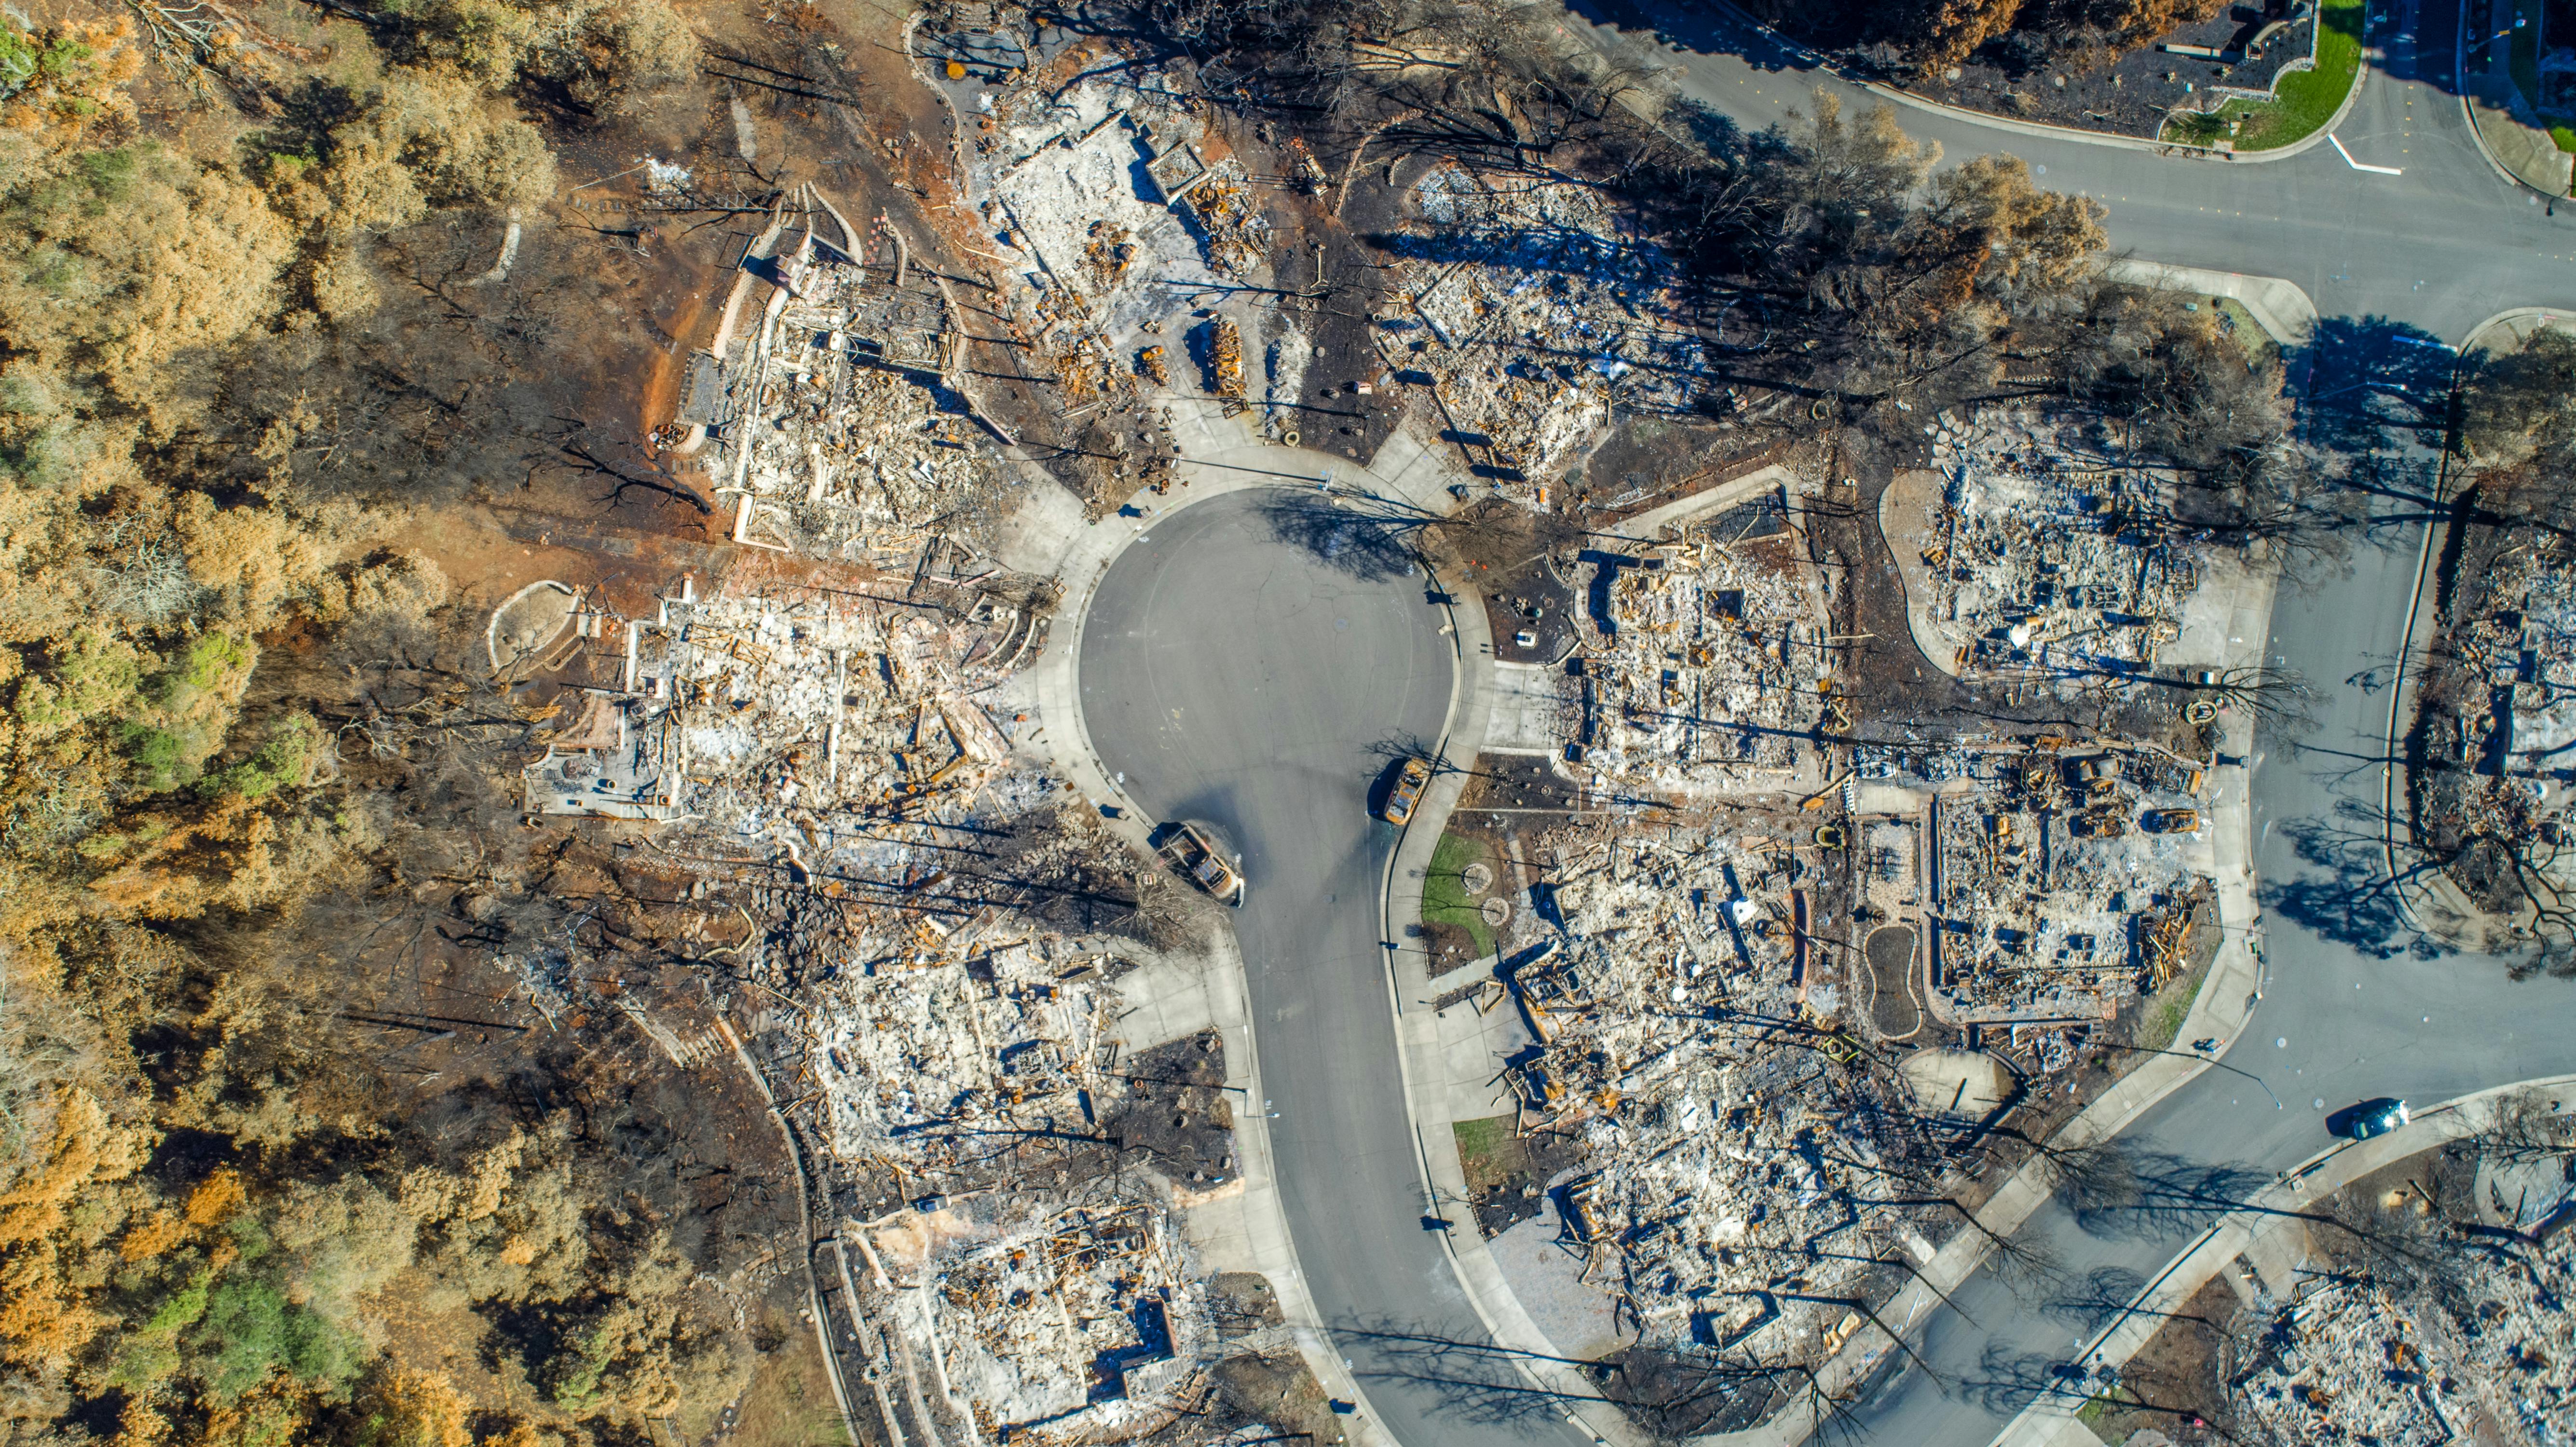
[1241, 678]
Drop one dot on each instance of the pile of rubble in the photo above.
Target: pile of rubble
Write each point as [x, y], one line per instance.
[1116, 212]
[2346, 1362]
[815, 396]
[1737, 1184]
[1708, 672]
[789, 711]
[2048, 556]
[2514, 696]
[1061, 1323]
[815, 738]
[1530, 314]
[2063, 883]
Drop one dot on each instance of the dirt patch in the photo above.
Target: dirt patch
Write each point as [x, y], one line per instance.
[1276, 1390]
[1504, 553]
[1243, 1303]
[789, 1402]
[1450, 947]
[1647, 462]
[1518, 784]
[1893, 1009]
[1507, 1172]
[1176, 1111]
[2173, 1379]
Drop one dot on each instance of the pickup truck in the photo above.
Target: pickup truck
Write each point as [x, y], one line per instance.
[1189, 851]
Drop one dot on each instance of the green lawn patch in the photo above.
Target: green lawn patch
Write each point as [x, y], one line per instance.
[2248, 333]
[1478, 1140]
[2303, 101]
[1444, 890]
[2101, 1404]
[2565, 138]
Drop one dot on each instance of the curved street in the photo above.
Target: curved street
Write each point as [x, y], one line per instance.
[1241, 672]
[1247, 674]
[2438, 248]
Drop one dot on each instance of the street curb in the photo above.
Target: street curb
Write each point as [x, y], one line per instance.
[2399, 699]
[2548, 315]
[1436, 1152]
[2282, 308]
[2462, 925]
[2469, 113]
[2044, 131]
[2328, 1170]
[1052, 688]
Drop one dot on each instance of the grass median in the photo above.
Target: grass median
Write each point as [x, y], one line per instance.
[2304, 102]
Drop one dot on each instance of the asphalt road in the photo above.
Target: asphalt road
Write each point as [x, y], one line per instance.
[2440, 247]
[2350, 1011]
[1241, 679]
[1250, 682]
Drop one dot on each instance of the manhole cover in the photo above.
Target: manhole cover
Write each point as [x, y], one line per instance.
[1477, 878]
[1496, 910]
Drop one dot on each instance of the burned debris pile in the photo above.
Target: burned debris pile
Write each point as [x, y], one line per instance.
[1707, 672]
[1527, 312]
[2492, 796]
[2046, 554]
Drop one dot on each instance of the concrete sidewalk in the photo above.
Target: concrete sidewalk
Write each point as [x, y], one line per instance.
[1436, 1065]
[2279, 307]
[2263, 1229]
[1239, 1226]
[2222, 1008]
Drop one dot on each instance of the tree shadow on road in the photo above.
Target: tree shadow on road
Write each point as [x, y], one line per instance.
[1474, 1382]
[2371, 383]
[2121, 1189]
[2008, 1381]
[1368, 545]
[2344, 892]
[1666, 1396]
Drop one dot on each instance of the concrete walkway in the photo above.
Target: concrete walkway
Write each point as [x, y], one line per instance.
[2267, 1228]
[1242, 1226]
[2225, 1004]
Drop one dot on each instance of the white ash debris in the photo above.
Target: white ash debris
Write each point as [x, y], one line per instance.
[828, 437]
[2347, 1360]
[804, 709]
[2351, 1362]
[1059, 1324]
[2065, 880]
[1284, 363]
[1711, 672]
[1743, 1154]
[1115, 192]
[985, 1031]
[665, 177]
[888, 472]
[2514, 697]
[1533, 311]
[2049, 555]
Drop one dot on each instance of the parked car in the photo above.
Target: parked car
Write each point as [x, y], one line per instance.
[2172, 821]
[1406, 793]
[2376, 1117]
[1194, 856]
